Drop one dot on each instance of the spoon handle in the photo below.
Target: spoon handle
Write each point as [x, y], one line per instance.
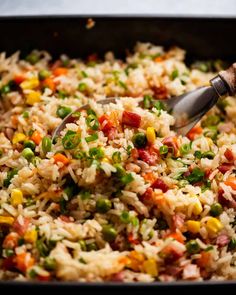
[229, 77]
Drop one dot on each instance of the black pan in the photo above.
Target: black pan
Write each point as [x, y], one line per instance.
[203, 38]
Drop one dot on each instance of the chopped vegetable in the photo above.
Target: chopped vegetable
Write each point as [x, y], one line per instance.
[193, 226]
[96, 153]
[185, 148]
[49, 263]
[213, 225]
[10, 175]
[27, 153]
[43, 74]
[71, 140]
[36, 137]
[46, 144]
[151, 135]
[195, 176]
[8, 220]
[163, 150]
[92, 122]
[125, 217]
[139, 140]
[16, 197]
[82, 87]
[216, 209]
[63, 111]
[29, 144]
[60, 158]
[18, 137]
[174, 74]
[32, 58]
[92, 137]
[109, 233]
[60, 71]
[103, 205]
[192, 247]
[116, 157]
[33, 97]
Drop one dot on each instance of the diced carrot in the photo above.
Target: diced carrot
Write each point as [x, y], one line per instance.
[159, 199]
[158, 59]
[36, 137]
[124, 260]
[24, 261]
[49, 83]
[11, 240]
[194, 131]
[60, 71]
[19, 79]
[14, 120]
[231, 181]
[61, 158]
[149, 177]
[203, 261]
[177, 236]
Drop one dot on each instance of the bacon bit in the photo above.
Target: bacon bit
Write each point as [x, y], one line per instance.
[204, 260]
[21, 226]
[11, 240]
[118, 277]
[93, 57]
[65, 218]
[131, 119]
[146, 156]
[229, 155]
[172, 143]
[8, 263]
[197, 130]
[223, 168]
[36, 137]
[24, 261]
[231, 181]
[19, 79]
[160, 92]
[191, 272]
[176, 236]
[160, 184]
[148, 195]
[178, 221]
[45, 278]
[60, 71]
[132, 240]
[222, 240]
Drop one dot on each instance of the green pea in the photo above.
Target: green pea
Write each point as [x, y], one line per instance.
[28, 154]
[25, 115]
[192, 247]
[103, 205]
[5, 89]
[43, 74]
[109, 233]
[63, 111]
[82, 87]
[120, 171]
[127, 178]
[49, 263]
[125, 217]
[46, 144]
[32, 58]
[29, 144]
[216, 209]
[92, 247]
[139, 140]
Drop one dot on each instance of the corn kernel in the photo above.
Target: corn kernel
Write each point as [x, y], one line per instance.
[18, 137]
[106, 160]
[30, 84]
[150, 267]
[197, 209]
[32, 97]
[213, 225]
[6, 220]
[151, 135]
[31, 236]
[193, 226]
[16, 197]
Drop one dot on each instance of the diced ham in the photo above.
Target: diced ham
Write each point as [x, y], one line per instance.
[173, 270]
[229, 155]
[146, 156]
[178, 221]
[134, 154]
[226, 127]
[147, 196]
[160, 184]
[160, 92]
[131, 119]
[222, 240]
[118, 277]
[223, 168]
[21, 225]
[11, 240]
[191, 272]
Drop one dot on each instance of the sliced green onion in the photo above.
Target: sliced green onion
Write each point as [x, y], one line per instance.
[63, 111]
[174, 74]
[139, 140]
[123, 85]
[62, 94]
[85, 195]
[96, 153]
[147, 101]
[25, 115]
[211, 120]
[163, 150]
[92, 122]
[198, 154]
[185, 148]
[84, 74]
[196, 176]
[125, 217]
[70, 140]
[127, 178]
[82, 87]
[120, 171]
[79, 155]
[212, 132]
[116, 157]
[49, 263]
[159, 105]
[91, 138]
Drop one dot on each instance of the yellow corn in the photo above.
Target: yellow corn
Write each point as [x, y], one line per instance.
[151, 135]
[193, 226]
[135, 260]
[32, 97]
[6, 220]
[106, 160]
[30, 83]
[213, 225]
[150, 267]
[31, 236]
[18, 137]
[16, 197]
[197, 209]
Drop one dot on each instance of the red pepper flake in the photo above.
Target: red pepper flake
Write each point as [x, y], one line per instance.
[131, 119]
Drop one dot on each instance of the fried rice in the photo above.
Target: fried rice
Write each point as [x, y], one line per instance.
[118, 196]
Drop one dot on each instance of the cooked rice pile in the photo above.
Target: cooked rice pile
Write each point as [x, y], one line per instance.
[118, 196]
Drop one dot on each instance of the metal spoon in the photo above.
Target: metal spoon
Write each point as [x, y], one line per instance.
[188, 108]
